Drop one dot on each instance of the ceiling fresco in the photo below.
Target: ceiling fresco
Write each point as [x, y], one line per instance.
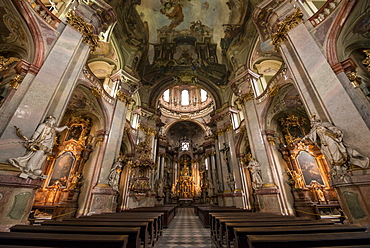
[182, 14]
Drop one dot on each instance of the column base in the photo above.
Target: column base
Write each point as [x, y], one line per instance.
[16, 197]
[104, 199]
[354, 197]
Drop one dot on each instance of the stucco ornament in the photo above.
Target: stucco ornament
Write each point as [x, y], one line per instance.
[38, 147]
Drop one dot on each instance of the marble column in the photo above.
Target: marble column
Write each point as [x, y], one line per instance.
[242, 87]
[321, 90]
[50, 84]
[102, 192]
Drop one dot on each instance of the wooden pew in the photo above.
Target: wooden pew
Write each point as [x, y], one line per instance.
[63, 240]
[132, 232]
[220, 227]
[143, 235]
[241, 233]
[169, 213]
[154, 228]
[158, 218]
[146, 225]
[22, 246]
[309, 240]
[229, 236]
[204, 213]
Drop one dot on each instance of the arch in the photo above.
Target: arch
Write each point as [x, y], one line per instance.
[35, 33]
[337, 28]
[167, 82]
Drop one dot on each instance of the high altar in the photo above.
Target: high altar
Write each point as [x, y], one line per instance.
[185, 186]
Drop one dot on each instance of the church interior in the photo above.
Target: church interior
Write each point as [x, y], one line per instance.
[113, 105]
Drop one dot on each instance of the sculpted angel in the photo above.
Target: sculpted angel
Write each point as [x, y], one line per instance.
[38, 147]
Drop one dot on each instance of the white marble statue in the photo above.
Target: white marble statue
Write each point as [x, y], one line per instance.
[231, 182]
[208, 131]
[330, 140]
[255, 169]
[115, 174]
[160, 189]
[210, 189]
[38, 147]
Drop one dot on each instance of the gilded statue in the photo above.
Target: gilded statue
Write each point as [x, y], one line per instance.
[296, 179]
[38, 148]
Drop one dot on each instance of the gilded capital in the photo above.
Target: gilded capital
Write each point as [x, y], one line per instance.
[146, 130]
[285, 26]
[85, 28]
[123, 97]
[246, 97]
[97, 92]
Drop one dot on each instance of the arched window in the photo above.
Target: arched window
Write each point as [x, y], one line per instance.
[184, 97]
[166, 95]
[203, 95]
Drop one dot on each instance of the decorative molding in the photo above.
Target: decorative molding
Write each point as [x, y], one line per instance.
[366, 61]
[44, 12]
[324, 12]
[346, 65]
[5, 62]
[224, 130]
[96, 91]
[123, 97]
[146, 130]
[16, 81]
[285, 26]
[86, 29]
[246, 97]
[355, 80]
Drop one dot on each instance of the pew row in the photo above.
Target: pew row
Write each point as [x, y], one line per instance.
[63, 240]
[241, 233]
[132, 232]
[141, 226]
[341, 239]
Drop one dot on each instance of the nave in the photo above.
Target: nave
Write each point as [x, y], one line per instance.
[186, 231]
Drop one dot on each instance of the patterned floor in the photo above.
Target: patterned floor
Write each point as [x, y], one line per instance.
[186, 231]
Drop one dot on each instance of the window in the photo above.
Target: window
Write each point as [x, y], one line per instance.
[184, 97]
[235, 121]
[203, 95]
[166, 95]
[185, 146]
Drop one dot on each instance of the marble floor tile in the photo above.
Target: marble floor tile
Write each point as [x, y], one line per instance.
[186, 231]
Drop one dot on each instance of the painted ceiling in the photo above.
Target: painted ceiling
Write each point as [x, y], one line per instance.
[181, 14]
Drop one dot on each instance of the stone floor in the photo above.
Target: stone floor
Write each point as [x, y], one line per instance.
[186, 231]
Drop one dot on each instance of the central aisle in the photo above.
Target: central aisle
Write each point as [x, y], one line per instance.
[186, 231]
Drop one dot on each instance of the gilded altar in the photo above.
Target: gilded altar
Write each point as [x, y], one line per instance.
[185, 186]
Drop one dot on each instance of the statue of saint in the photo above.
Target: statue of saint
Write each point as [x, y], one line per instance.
[74, 181]
[297, 180]
[231, 182]
[208, 131]
[160, 190]
[210, 188]
[330, 140]
[115, 174]
[255, 169]
[185, 171]
[38, 147]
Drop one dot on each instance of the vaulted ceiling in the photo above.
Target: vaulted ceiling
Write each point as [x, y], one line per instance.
[160, 39]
